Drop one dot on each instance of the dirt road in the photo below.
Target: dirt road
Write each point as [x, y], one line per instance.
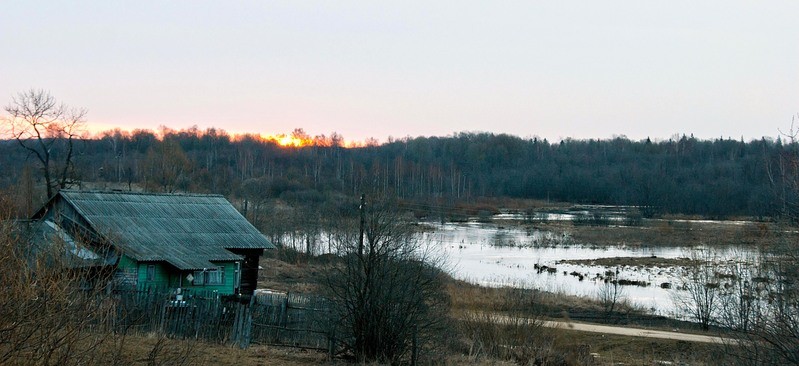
[633, 332]
[617, 330]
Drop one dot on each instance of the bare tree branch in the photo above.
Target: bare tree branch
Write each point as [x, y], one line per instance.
[47, 130]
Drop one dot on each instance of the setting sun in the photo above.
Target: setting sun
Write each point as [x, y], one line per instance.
[298, 138]
[288, 140]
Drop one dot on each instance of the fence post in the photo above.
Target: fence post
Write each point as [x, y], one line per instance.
[247, 326]
[163, 326]
[200, 312]
[415, 345]
[284, 310]
[236, 332]
[331, 345]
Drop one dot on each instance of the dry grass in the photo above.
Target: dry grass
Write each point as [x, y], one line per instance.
[158, 350]
[468, 297]
[525, 344]
[673, 233]
[615, 349]
[482, 344]
[139, 351]
[301, 276]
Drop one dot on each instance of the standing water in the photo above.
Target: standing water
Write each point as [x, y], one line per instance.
[492, 255]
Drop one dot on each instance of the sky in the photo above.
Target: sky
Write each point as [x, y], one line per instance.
[551, 69]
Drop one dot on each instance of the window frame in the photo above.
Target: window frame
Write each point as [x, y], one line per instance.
[149, 274]
[209, 277]
[215, 276]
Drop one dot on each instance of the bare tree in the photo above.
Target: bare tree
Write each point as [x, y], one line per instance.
[612, 296]
[388, 293]
[760, 310]
[740, 307]
[47, 130]
[167, 167]
[254, 192]
[699, 294]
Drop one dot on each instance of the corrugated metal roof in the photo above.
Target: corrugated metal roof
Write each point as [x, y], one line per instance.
[186, 230]
[48, 238]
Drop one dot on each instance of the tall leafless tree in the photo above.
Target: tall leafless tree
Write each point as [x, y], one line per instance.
[612, 296]
[699, 294]
[389, 295]
[47, 130]
[168, 168]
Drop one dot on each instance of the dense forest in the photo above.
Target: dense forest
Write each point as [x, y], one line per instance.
[716, 178]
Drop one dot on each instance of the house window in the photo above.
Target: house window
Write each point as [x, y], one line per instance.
[150, 272]
[199, 278]
[213, 276]
[216, 276]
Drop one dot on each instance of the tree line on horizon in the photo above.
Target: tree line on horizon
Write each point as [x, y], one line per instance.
[716, 178]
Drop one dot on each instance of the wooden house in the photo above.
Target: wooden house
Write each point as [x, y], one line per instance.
[187, 241]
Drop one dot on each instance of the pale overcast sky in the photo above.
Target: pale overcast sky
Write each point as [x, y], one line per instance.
[555, 69]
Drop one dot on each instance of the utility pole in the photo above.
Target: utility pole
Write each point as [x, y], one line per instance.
[361, 208]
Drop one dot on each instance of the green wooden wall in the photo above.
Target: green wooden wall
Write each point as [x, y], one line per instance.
[161, 278]
[167, 276]
[227, 287]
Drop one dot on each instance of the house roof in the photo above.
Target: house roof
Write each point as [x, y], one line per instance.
[186, 230]
[41, 236]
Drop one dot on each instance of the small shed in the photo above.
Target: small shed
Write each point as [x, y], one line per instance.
[188, 241]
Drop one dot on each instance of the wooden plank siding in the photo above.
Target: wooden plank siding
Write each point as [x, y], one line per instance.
[228, 287]
[167, 276]
[161, 278]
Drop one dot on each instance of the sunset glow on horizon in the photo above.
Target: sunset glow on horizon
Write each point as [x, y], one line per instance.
[298, 138]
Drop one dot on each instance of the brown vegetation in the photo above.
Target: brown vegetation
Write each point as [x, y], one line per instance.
[671, 233]
[139, 351]
[302, 275]
[650, 261]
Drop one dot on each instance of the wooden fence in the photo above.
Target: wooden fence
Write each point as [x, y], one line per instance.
[273, 318]
[291, 319]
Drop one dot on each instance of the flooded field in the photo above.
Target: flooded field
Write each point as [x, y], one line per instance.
[649, 260]
[495, 255]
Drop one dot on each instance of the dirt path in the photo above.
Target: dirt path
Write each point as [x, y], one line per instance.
[633, 332]
[618, 330]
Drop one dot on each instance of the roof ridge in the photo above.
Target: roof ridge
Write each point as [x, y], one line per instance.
[189, 194]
